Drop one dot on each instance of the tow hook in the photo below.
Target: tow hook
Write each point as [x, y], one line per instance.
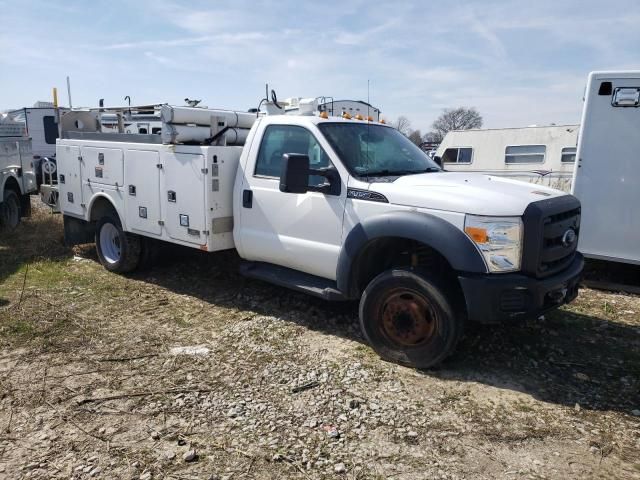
[557, 296]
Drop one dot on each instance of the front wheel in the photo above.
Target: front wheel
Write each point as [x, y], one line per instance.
[10, 210]
[118, 250]
[408, 319]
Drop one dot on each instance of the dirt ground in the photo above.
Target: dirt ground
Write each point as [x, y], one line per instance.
[94, 382]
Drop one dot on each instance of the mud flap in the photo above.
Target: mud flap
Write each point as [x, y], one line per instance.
[77, 231]
[25, 205]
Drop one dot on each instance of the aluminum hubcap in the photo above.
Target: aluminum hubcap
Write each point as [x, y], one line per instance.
[110, 243]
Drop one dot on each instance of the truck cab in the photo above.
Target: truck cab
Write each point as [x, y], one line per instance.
[346, 209]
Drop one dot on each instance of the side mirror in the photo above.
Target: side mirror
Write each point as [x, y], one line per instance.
[438, 160]
[294, 176]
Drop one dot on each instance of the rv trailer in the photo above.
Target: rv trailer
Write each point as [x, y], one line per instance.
[540, 155]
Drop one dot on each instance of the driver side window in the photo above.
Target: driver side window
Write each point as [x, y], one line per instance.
[280, 139]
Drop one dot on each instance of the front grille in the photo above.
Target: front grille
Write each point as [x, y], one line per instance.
[555, 255]
[546, 224]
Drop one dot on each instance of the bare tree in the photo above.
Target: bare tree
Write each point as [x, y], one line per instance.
[460, 118]
[416, 137]
[432, 137]
[403, 125]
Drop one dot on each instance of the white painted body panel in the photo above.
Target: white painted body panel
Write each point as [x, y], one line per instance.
[489, 153]
[142, 172]
[472, 193]
[606, 180]
[201, 177]
[184, 177]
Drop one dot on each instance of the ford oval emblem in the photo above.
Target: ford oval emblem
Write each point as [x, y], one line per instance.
[569, 237]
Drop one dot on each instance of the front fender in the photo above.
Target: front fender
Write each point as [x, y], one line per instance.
[442, 236]
[8, 177]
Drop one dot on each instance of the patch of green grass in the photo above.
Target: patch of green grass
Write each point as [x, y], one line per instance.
[523, 407]
[29, 322]
[20, 327]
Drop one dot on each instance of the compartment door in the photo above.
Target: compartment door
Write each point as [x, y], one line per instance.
[184, 196]
[103, 165]
[142, 191]
[70, 180]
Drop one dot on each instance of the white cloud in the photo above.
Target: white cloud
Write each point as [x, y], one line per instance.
[157, 58]
[518, 63]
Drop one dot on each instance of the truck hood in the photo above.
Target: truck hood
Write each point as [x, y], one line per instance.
[471, 193]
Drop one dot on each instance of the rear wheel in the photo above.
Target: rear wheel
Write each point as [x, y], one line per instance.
[10, 210]
[408, 319]
[118, 250]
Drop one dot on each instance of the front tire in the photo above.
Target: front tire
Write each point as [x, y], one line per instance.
[10, 210]
[118, 250]
[408, 319]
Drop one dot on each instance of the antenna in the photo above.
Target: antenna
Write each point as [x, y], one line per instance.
[368, 127]
[368, 102]
[69, 91]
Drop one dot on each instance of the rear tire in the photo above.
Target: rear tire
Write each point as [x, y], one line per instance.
[408, 319]
[10, 210]
[118, 250]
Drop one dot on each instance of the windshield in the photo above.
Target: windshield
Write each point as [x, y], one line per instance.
[374, 150]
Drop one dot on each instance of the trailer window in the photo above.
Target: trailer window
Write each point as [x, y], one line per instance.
[525, 154]
[568, 155]
[457, 155]
[281, 139]
[50, 129]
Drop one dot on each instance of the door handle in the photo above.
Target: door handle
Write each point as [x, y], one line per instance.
[247, 198]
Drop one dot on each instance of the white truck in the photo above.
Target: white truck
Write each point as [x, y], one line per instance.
[606, 176]
[17, 178]
[340, 208]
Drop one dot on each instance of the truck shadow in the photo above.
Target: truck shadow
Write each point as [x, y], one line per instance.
[565, 358]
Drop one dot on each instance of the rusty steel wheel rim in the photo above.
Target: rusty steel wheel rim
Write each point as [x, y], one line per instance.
[408, 318]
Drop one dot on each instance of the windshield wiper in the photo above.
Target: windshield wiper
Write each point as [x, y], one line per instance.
[393, 173]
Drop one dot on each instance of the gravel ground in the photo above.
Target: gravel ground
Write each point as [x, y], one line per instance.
[190, 371]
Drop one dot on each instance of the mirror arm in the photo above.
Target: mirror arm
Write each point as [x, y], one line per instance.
[331, 174]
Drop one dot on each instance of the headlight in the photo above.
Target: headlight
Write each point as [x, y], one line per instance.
[498, 238]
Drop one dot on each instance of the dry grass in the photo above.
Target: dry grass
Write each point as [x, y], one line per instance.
[87, 380]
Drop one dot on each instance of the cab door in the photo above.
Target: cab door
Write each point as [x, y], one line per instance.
[299, 231]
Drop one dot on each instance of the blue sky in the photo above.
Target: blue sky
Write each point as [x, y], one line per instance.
[518, 62]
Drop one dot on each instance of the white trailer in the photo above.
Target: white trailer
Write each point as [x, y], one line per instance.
[337, 207]
[606, 179]
[17, 179]
[541, 155]
[41, 126]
